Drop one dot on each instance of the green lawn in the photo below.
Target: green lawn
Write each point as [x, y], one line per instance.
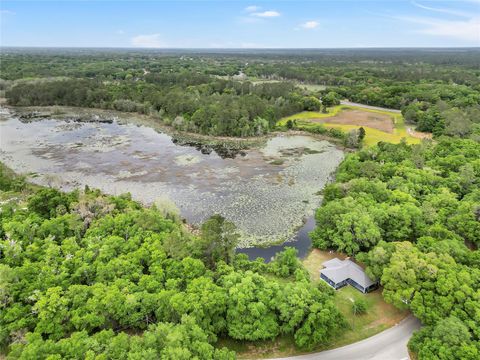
[306, 115]
[379, 315]
[313, 262]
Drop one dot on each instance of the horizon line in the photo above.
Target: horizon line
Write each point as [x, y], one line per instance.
[236, 48]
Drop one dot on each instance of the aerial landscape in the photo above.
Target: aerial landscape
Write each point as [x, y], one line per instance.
[238, 180]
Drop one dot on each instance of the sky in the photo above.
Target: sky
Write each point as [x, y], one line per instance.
[241, 24]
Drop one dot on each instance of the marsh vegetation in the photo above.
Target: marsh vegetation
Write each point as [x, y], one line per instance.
[267, 191]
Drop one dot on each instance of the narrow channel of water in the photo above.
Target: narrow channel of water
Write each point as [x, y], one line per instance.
[301, 241]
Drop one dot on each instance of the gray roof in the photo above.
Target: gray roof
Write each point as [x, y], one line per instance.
[339, 270]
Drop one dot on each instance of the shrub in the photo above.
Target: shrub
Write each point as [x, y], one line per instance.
[126, 105]
[359, 307]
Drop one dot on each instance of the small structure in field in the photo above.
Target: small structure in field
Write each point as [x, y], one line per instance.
[339, 273]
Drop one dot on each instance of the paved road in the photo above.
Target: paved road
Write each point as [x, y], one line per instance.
[390, 344]
[343, 102]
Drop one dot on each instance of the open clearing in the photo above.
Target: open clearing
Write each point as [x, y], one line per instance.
[379, 316]
[418, 134]
[379, 125]
[382, 122]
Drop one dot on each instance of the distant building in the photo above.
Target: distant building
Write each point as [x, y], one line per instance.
[240, 76]
[339, 273]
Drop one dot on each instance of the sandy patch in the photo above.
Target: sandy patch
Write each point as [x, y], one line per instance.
[418, 134]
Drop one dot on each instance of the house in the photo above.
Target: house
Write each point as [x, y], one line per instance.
[339, 273]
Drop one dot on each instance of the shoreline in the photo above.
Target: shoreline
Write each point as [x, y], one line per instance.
[152, 170]
[236, 143]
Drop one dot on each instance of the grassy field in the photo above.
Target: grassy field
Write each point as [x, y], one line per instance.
[305, 121]
[307, 115]
[379, 316]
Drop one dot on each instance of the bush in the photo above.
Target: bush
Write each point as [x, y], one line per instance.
[9, 181]
[285, 262]
[311, 103]
[126, 105]
[331, 99]
[359, 307]
[319, 129]
[337, 133]
[351, 140]
[46, 201]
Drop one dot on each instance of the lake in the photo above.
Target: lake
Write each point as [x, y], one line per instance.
[268, 192]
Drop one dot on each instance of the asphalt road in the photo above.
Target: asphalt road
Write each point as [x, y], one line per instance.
[344, 102]
[390, 344]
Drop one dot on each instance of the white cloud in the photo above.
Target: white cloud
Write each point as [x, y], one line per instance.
[120, 32]
[148, 41]
[468, 29]
[310, 24]
[256, 16]
[441, 10]
[266, 14]
[252, 8]
[7, 12]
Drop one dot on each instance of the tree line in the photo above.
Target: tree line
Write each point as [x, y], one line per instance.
[86, 275]
[411, 213]
[203, 92]
[219, 107]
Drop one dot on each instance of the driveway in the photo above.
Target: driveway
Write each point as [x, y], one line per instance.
[390, 344]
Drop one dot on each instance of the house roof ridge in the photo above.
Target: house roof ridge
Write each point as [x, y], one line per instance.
[341, 270]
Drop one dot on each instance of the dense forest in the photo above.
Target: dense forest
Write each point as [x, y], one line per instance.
[244, 94]
[411, 213]
[85, 275]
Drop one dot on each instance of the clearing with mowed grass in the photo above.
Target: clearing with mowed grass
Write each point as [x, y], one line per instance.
[379, 125]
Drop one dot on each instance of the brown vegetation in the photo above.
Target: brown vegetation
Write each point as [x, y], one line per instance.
[382, 122]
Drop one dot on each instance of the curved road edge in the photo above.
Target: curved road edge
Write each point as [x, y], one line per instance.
[390, 344]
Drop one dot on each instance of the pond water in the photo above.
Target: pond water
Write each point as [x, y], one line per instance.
[301, 241]
[267, 192]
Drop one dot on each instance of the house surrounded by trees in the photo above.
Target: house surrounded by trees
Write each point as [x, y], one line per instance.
[339, 273]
